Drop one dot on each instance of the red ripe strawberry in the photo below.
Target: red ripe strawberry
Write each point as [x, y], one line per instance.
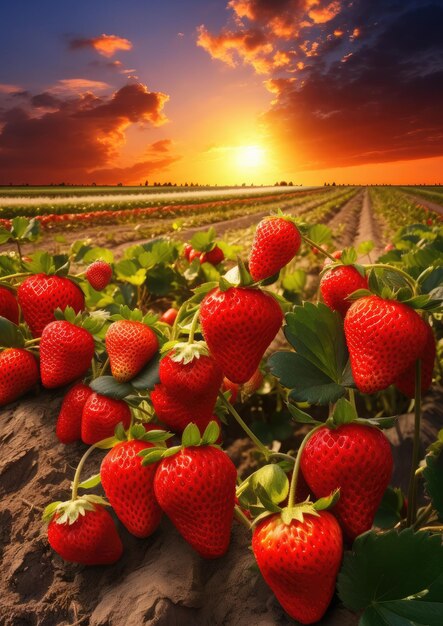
[129, 487]
[178, 412]
[187, 250]
[39, 296]
[202, 375]
[99, 275]
[8, 305]
[338, 283]
[214, 256]
[300, 562]
[66, 352]
[406, 381]
[358, 460]
[18, 374]
[276, 242]
[193, 254]
[91, 540]
[100, 417]
[196, 489]
[130, 345]
[238, 326]
[169, 316]
[384, 338]
[69, 421]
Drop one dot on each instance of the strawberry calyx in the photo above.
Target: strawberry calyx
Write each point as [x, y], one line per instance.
[297, 511]
[191, 437]
[69, 511]
[92, 322]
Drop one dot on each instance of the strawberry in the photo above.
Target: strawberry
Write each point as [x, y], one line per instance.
[337, 255]
[99, 275]
[39, 296]
[18, 374]
[300, 561]
[130, 345]
[406, 381]
[238, 325]
[276, 241]
[384, 339]
[355, 458]
[169, 317]
[193, 254]
[201, 375]
[251, 385]
[91, 539]
[178, 412]
[66, 352]
[196, 489]
[187, 250]
[8, 305]
[69, 421]
[101, 415]
[338, 283]
[214, 256]
[129, 487]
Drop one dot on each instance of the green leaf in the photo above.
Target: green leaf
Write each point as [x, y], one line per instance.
[106, 444]
[10, 334]
[19, 226]
[149, 376]
[307, 382]
[159, 280]
[264, 498]
[153, 455]
[322, 504]
[98, 254]
[108, 386]
[432, 280]
[300, 416]
[365, 247]
[344, 412]
[191, 436]
[294, 282]
[41, 263]
[90, 482]
[433, 475]
[271, 479]
[212, 433]
[391, 508]
[203, 241]
[348, 256]
[320, 234]
[385, 573]
[5, 234]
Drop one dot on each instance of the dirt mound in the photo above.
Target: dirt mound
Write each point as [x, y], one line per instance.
[159, 580]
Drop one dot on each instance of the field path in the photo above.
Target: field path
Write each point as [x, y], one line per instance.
[432, 206]
[237, 223]
[368, 230]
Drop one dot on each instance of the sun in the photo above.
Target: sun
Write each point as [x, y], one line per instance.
[250, 156]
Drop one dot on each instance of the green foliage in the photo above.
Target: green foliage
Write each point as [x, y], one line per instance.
[391, 508]
[318, 371]
[433, 475]
[10, 334]
[108, 386]
[391, 576]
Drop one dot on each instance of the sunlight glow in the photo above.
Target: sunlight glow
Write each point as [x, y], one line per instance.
[250, 156]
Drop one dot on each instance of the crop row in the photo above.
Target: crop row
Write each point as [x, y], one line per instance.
[433, 194]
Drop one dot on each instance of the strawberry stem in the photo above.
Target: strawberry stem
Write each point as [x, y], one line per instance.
[78, 471]
[174, 333]
[241, 517]
[321, 250]
[29, 342]
[17, 275]
[295, 471]
[193, 326]
[412, 491]
[412, 283]
[105, 365]
[263, 449]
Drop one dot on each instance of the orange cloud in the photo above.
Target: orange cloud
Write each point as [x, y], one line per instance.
[9, 89]
[106, 45]
[76, 136]
[77, 86]
[321, 15]
[249, 45]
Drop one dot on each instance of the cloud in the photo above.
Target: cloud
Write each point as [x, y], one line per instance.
[70, 138]
[106, 45]
[69, 86]
[352, 82]
[9, 89]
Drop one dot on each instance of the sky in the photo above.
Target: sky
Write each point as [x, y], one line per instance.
[221, 92]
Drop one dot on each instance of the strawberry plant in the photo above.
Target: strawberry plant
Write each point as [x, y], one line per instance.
[318, 507]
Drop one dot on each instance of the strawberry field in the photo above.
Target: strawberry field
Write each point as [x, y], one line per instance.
[222, 408]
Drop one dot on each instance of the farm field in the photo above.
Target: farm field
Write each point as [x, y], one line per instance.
[393, 244]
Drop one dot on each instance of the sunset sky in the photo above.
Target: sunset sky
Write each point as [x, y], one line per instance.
[221, 92]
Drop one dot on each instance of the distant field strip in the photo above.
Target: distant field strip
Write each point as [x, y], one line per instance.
[142, 198]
